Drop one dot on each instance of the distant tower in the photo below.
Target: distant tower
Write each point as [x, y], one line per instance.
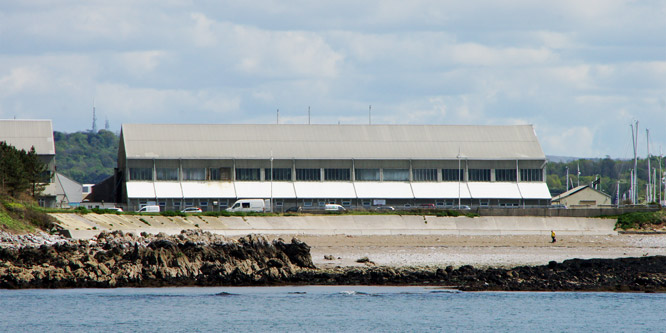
[94, 124]
[106, 124]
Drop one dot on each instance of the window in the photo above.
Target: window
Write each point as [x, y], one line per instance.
[176, 205]
[246, 204]
[367, 174]
[396, 174]
[214, 174]
[167, 173]
[278, 174]
[453, 175]
[479, 175]
[225, 174]
[425, 175]
[531, 175]
[141, 174]
[308, 174]
[346, 203]
[224, 204]
[505, 175]
[247, 174]
[337, 174]
[194, 173]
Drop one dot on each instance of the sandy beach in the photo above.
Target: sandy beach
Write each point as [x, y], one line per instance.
[479, 251]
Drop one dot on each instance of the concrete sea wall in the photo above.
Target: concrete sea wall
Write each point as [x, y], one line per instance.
[89, 225]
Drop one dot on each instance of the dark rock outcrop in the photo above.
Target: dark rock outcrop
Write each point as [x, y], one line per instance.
[646, 274]
[124, 260]
[200, 258]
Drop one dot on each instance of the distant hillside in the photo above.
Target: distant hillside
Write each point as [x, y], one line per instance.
[86, 157]
[560, 159]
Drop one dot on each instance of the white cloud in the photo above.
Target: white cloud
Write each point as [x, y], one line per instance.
[571, 68]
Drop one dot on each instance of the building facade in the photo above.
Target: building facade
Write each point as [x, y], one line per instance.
[357, 166]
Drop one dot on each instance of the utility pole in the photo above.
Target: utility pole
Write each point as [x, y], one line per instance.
[661, 176]
[308, 115]
[459, 177]
[578, 177]
[370, 115]
[277, 120]
[649, 171]
[271, 202]
[567, 178]
[634, 178]
[94, 123]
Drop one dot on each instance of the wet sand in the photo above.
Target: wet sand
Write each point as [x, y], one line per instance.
[478, 251]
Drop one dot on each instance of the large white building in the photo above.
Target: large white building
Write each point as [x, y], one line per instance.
[211, 166]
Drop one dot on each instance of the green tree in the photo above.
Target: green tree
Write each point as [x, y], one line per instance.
[35, 171]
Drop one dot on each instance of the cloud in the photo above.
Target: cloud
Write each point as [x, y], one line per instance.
[573, 69]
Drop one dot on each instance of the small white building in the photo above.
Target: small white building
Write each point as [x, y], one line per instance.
[582, 196]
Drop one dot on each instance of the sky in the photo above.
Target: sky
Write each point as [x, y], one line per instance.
[581, 72]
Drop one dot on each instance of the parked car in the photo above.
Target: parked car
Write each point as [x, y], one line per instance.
[191, 210]
[333, 207]
[462, 207]
[384, 208]
[149, 209]
[294, 209]
[250, 205]
[115, 209]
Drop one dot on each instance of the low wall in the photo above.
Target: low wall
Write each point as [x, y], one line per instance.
[85, 226]
[572, 212]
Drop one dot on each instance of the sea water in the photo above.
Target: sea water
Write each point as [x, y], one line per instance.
[325, 308]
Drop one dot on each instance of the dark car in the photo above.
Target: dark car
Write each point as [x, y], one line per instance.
[427, 206]
[294, 209]
[384, 208]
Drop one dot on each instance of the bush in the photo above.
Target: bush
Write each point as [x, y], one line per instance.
[637, 220]
[14, 207]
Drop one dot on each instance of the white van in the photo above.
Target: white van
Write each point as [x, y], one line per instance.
[333, 207]
[149, 209]
[251, 205]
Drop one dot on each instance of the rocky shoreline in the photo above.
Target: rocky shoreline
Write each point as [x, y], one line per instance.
[196, 258]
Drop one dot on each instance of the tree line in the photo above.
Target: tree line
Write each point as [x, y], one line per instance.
[87, 157]
[610, 174]
[21, 171]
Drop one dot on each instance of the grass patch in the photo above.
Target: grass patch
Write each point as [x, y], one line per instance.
[23, 216]
[10, 224]
[144, 221]
[172, 213]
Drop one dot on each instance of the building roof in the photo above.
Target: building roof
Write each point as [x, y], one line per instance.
[24, 134]
[215, 141]
[576, 190]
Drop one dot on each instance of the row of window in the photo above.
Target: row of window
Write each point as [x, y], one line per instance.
[314, 174]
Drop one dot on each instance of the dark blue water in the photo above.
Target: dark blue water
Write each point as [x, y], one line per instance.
[314, 308]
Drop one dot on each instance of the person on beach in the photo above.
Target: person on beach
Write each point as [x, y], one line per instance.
[552, 235]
